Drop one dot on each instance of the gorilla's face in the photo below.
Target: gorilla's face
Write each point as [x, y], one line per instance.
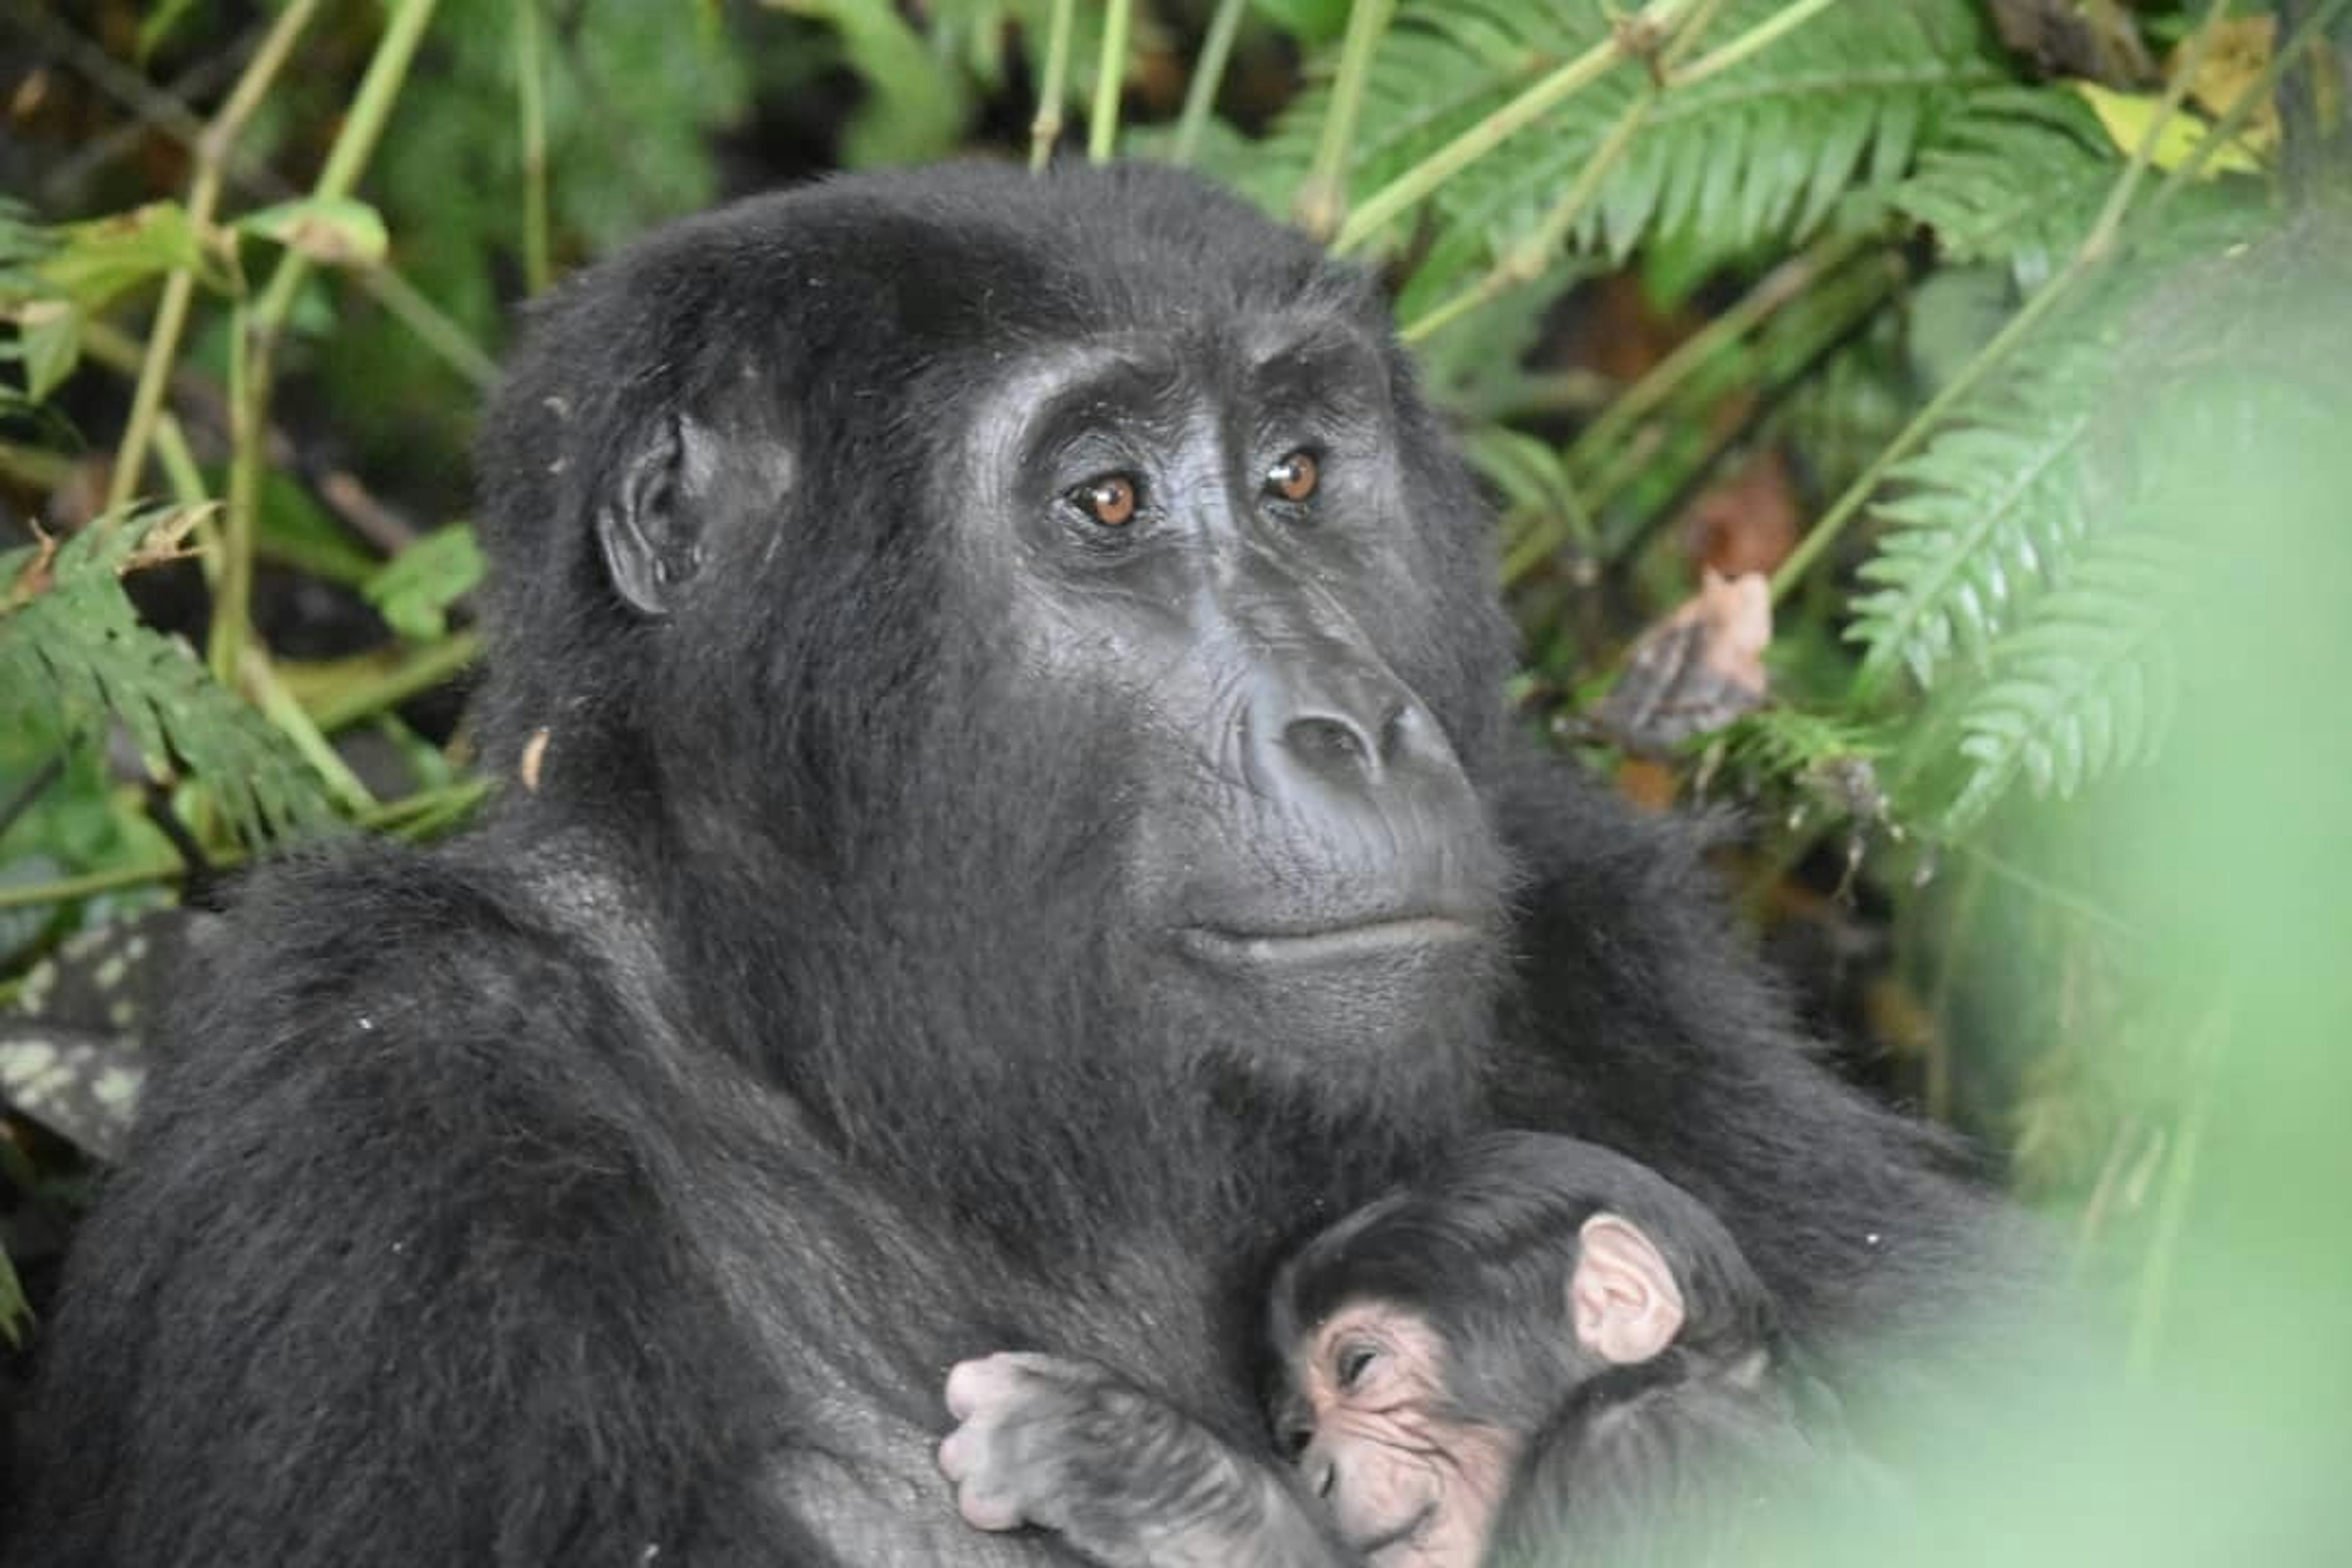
[1213, 548]
[1059, 580]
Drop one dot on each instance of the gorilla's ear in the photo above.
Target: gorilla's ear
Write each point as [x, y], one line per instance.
[1623, 1296]
[650, 526]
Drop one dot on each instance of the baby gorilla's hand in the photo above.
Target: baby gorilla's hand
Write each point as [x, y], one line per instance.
[1126, 1479]
[1035, 1434]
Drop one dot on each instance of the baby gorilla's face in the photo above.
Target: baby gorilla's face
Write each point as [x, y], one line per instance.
[1410, 1482]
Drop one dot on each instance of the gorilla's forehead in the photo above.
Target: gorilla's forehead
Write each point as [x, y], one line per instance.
[1287, 359]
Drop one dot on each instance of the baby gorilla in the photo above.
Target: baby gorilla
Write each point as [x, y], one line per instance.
[1548, 1348]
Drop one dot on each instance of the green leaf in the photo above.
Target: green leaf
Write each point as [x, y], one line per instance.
[2086, 686]
[73, 654]
[1758, 153]
[95, 261]
[915, 108]
[334, 231]
[414, 591]
[48, 334]
[1308, 21]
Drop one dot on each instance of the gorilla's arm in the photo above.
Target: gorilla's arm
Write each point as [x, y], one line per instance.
[1641, 1022]
[378, 1287]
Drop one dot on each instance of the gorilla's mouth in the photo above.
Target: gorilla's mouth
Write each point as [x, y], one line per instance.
[1358, 941]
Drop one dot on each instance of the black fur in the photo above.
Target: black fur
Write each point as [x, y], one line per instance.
[617, 1184]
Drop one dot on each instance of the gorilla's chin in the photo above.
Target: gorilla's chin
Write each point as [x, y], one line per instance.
[1382, 1004]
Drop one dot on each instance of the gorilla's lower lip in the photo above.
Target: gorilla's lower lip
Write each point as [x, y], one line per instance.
[1327, 944]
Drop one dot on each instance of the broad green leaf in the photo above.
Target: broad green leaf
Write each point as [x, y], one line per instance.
[96, 260]
[2128, 116]
[413, 593]
[50, 336]
[334, 231]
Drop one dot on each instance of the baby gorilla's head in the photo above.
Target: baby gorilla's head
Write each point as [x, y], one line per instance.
[1430, 1339]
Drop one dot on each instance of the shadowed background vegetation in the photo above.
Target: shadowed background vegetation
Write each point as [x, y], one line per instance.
[1921, 425]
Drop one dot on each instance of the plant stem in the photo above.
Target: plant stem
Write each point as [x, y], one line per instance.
[2256, 94]
[1762, 36]
[1784, 283]
[282, 710]
[1555, 88]
[203, 196]
[1111, 79]
[1046, 128]
[1322, 201]
[1532, 256]
[2093, 249]
[530, 95]
[421, 812]
[1208, 75]
[255, 332]
[431, 324]
[2154, 1288]
[353, 145]
[420, 672]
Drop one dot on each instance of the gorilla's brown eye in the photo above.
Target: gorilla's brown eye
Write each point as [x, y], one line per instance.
[1352, 1362]
[1110, 500]
[1294, 477]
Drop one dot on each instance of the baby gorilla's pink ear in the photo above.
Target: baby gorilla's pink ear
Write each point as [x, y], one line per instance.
[1622, 1298]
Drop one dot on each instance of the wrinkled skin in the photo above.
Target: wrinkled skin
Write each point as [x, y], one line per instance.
[938, 919]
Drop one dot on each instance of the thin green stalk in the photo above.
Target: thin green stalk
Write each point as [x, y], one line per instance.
[354, 145]
[1784, 283]
[36, 467]
[431, 325]
[1053, 87]
[411, 814]
[231, 605]
[204, 195]
[420, 672]
[2087, 255]
[1693, 28]
[256, 330]
[2257, 93]
[2155, 1289]
[1529, 259]
[1208, 75]
[530, 97]
[282, 710]
[1416, 183]
[1844, 303]
[1758, 39]
[1322, 200]
[1111, 80]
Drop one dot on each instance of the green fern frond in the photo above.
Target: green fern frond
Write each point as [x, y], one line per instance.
[2088, 685]
[1980, 516]
[1762, 150]
[73, 651]
[2016, 176]
[1785, 741]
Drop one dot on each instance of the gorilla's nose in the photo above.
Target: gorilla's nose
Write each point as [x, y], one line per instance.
[1343, 737]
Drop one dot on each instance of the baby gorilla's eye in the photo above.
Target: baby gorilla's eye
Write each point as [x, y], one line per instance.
[1294, 476]
[1352, 1362]
[1111, 500]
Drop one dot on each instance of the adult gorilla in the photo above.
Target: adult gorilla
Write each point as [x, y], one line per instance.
[1020, 823]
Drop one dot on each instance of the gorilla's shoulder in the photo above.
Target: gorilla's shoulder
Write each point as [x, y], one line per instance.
[378, 961]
